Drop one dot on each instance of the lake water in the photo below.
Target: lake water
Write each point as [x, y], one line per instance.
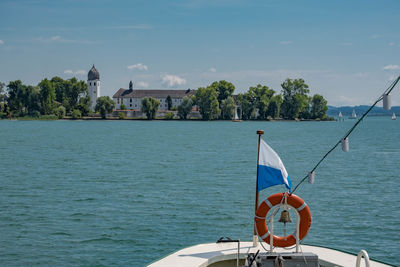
[126, 193]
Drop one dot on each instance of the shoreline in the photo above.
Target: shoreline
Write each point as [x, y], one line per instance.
[156, 119]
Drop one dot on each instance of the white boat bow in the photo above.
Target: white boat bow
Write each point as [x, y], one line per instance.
[225, 254]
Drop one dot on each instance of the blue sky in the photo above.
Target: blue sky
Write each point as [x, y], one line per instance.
[348, 51]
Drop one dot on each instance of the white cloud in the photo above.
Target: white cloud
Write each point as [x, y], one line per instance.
[78, 72]
[138, 66]
[212, 69]
[1, 42]
[56, 38]
[346, 44]
[285, 42]
[375, 36]
[143, 84]
[392, 67]
[172, 80]
[391, 44]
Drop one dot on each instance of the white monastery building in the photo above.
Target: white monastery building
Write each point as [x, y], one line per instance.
[93, 86]
[132, 98]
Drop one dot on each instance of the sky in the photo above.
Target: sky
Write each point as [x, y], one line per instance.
[347, 51]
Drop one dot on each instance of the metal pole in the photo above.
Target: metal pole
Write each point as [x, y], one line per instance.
[271, 234]
[297, 230]
[255, 239]
[237, 260]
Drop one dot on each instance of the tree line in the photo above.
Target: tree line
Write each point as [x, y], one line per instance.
[55, 97]
[260, 102]
[58, 97]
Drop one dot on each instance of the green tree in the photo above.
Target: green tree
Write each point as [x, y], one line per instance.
[16, 96]
[6, 110]
[84, 105]
[261, 98]
[2, 91]
[74, 90]
[60, 112]
[150, 106]
[23, 99]
[32, 102]
[295, 98]
[207, 101]
[123, 107]
[305, 106]
[228, 108]
[185, 107]
[169, 116]
[104, 105]
[246, 103]
[274, 106]
[121, 115]
[224, 89]
[76, 114]
[59, 87]
[169, 102]
[47, 97]
[319, 106]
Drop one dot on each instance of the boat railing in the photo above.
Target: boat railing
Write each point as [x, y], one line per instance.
[361, 254]
[228, 240]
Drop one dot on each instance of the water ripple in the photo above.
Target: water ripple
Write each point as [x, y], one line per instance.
[103, 193]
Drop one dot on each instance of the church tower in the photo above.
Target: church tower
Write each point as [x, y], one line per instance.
[93, 86]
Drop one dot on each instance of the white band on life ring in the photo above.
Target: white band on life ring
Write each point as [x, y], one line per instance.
[301, 207]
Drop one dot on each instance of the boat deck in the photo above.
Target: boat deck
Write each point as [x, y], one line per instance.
[203, 255]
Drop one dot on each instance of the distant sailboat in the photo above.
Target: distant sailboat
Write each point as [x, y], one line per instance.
[340, 116]
[236, 119]
[393, 116]
[353, 115]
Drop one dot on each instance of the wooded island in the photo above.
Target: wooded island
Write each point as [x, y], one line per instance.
[69, 99]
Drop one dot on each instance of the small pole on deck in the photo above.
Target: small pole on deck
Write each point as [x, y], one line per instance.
[255, 238]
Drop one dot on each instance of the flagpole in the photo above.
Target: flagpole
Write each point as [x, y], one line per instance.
[255, 238]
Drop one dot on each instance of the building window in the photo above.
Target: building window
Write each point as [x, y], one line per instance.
[90, 83]
[130, 100]
[130, 105]
[135, 106]
[94, 83]
[94, 91]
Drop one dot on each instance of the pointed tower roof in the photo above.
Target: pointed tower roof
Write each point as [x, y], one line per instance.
[131, 85]
[93, 74]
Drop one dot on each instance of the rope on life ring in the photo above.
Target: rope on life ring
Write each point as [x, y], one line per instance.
[292, 200]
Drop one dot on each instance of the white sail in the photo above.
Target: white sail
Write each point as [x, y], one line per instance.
[393, 116]
[236, 115]
[340, 114]
[354, 115]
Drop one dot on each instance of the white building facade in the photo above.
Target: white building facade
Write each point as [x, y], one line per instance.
[93, 86]
[132, 99]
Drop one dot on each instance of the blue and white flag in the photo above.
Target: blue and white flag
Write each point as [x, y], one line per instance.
[270, 168]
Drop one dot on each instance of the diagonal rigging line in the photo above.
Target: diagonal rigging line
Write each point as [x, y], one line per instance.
[387, 91]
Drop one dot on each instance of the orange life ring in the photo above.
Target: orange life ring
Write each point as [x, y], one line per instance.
[273, 200]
